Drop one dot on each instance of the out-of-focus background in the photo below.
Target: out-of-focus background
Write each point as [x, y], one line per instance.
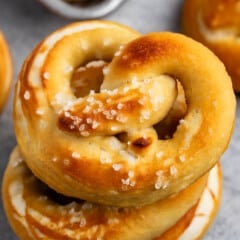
[26, 22]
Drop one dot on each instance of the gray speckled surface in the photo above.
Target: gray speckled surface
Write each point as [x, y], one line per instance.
[26, 22]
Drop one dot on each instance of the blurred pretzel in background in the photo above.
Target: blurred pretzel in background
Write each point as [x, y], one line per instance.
[216, 24]
[5, 71]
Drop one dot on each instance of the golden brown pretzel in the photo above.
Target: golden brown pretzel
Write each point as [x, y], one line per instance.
[5, 70]
[216, 24]
[36, 212]
[104, 146]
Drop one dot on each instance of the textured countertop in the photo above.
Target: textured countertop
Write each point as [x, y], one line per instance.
[26, 22]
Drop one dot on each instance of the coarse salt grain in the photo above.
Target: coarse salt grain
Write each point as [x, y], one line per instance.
[116, 166]
[105, 70]
[95, 64]
[39, 111]
[120, 106]
[165, 185]
[90, 99]
[67, 114]
[82, 127]
[131, 174]
[173, 170]
[95, 124]
[74, 219]
[182, 158]
[145, 114]
[81, 69]
[141, 101]
[89, 120]
[86, 109]
[17, 162]
[159, 154]
[121, 47]
[158, 185]
[71, 211]
[75, 155]
[92, 92]
[82, 222]
[125, 181]
[114, 128]
[182, 121]
[26, 95]
[113, 92]
[113, 112]
[46, 75]
[117, 53]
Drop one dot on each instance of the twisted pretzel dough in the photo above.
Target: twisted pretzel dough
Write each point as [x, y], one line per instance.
[36, 212]
[103, 146]
[216, 24]
[5, 70]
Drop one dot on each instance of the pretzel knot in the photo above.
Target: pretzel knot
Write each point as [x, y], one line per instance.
[102, 144]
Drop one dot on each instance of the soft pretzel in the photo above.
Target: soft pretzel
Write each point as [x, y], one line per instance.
[37, 212]
[5, 70]
[104, 146]
[216, 24]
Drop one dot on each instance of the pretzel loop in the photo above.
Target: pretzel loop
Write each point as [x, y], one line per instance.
[107, 113]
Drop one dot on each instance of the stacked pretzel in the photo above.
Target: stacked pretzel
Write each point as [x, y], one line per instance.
[118, 136]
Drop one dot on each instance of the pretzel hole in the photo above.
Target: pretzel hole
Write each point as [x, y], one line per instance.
[54, 196]
[142, 142]
[138, 142]
[167, 127]
[87, 77]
